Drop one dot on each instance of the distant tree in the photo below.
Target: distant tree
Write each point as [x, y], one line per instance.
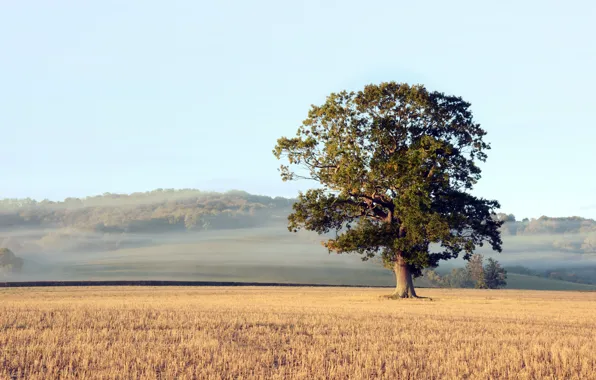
[459, 278]
[152, 211]
[395, 164]
[475, 269]
[433, 278]
[474, 275]
[507, 218]
[495, 276]
[509, 223]
[9, 262]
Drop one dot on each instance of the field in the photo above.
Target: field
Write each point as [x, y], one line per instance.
[305, 333]
[520, 281]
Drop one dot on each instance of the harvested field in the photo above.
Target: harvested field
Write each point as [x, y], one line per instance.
[304, 333]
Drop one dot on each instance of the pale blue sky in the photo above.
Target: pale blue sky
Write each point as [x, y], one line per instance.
[124, 96]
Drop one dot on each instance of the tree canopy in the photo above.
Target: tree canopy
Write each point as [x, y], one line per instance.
[154, 211]
[395, 165]
[475, 275]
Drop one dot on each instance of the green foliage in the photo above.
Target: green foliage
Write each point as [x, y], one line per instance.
[474, 275]
[495, 276]
[457, 278]
[433, 278]
[141, 212]
[395, 164]
[506, 217]
[476, 271]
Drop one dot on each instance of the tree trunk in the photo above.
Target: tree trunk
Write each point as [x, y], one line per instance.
[404, 287]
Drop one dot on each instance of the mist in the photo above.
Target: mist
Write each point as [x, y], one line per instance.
[264, 254]
[188, 235]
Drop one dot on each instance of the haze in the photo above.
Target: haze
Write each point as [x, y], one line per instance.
[126, 97]
[234, 236]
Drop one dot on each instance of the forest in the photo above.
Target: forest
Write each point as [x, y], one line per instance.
[113, 221]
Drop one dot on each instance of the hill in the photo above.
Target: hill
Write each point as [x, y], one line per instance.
[165, 234]
[154, 211]
[520, 281]
[115, 221]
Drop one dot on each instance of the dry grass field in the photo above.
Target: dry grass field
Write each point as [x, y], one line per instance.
[303, 333]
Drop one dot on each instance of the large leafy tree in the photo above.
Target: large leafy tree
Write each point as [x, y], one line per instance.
[395, 165]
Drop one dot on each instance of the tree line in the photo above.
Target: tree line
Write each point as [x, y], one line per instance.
[476, 274]
[154, 211]
[545, 225]
[111, 221]
[191, 209]
[570, 234]
[115, 221]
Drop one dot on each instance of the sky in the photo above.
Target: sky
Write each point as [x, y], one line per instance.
[113, 96]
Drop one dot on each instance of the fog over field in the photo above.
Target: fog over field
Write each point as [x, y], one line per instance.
[234, 236]
[253, 254]
[266, 254]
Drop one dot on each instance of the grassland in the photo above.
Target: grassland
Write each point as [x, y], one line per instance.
[521, 281]
[253, 255]
[304, 333]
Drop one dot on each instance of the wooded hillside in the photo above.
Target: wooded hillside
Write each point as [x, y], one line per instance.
[113, 221]
[155, 211]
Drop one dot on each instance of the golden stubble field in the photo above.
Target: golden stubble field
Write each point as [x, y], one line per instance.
[302, 333]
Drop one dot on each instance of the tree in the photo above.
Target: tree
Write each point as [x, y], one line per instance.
[395, 164]
[510, 225]
[9, 262]
[506, 217]
[476, 271]
[459, 278]
[433, 278]
[495, 276]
